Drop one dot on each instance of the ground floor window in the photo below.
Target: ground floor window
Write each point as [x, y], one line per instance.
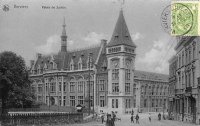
[60, 100]
[128, 103]
[72, 101]
[80, 100]
[64, 101]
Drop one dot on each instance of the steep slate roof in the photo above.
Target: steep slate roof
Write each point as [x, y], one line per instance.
[45, 59]
[83, 54]
[150, 76]
[121, 35]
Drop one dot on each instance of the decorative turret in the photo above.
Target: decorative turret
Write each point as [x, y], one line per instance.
[64, 39]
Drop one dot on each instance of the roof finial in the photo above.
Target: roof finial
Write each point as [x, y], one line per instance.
[122, 4]
[64, 22]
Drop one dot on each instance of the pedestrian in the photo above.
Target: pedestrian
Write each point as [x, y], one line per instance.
[109, 121]
[149, 117]
[137, 119]
[102, 118]
[132, 120]
[159, 116]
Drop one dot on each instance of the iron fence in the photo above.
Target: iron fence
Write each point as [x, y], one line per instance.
[41, 119]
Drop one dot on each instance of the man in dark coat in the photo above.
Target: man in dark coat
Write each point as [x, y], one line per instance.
[110, 121]
[132, 120]
[137, 118]
[159, 116]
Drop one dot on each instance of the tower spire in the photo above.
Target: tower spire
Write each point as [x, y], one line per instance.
[64, 25]
[121, 35]
[64, 38]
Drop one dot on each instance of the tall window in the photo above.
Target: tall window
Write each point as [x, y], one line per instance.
[183, 58]
[64, 101]
[80, 65]
[72, 100]
[127, 88]
[80, 100]
[115, 74]
[60, 86]
[64, 86]
[115, 87]
[102, 101]
[60, 100]
[127, 74]
[128, 103]
[193, 76]
[40, 88]
[72, 87]
[102, 85]
[145, 102]
[80, 86]
[114, 103]
[189, 79]
[152, 102]
[52, 86]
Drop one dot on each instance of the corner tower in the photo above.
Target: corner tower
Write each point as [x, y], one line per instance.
[121, 57]
[64, 38]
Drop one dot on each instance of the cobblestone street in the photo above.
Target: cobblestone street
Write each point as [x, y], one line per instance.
[144, 121]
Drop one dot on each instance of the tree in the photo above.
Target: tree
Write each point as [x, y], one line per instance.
[14, 74]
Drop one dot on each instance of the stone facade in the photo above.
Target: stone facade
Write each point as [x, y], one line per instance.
[105, 74]
[186, 98]
[151, 91]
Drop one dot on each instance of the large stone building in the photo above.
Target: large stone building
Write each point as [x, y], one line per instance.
[172, 84]
[185, 71]
[104, 74]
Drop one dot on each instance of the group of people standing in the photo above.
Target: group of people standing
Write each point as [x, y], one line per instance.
[136, 118]
[110, 119]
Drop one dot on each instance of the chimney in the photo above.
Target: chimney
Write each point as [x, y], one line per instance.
[39, 55]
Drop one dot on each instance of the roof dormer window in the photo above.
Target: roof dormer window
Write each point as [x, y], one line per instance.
[80, 64]
[72, 65]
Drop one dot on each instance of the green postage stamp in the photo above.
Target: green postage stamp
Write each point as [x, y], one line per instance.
[184, 18]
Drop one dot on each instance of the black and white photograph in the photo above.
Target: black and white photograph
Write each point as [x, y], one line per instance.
[99, 62]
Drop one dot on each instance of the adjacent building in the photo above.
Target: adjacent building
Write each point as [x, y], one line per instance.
[101, 77]
[184, 99]
[151, 91]
[172, 84]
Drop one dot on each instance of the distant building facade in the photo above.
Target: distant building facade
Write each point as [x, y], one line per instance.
[172, 86]
[103, 74]
[187, 94]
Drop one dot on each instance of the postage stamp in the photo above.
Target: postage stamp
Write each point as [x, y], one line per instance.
[184, 18]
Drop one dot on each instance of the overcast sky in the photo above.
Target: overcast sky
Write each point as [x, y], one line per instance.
[32, 30]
